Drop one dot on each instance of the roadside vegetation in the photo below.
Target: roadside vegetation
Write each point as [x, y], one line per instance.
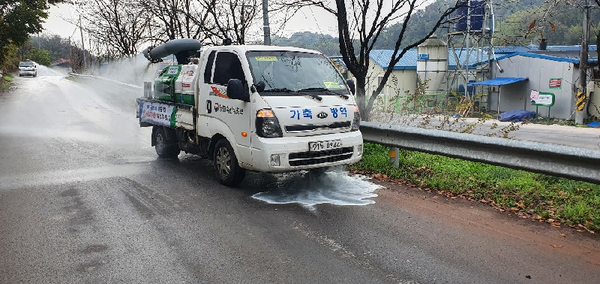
[5, 81]
[557, 201]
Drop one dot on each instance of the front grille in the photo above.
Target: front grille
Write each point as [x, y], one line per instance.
[320, 157]
[313, 127]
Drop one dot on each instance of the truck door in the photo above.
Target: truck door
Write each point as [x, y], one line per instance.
[229, 117]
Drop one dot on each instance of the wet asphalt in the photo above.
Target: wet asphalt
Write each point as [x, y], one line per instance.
[84, 199]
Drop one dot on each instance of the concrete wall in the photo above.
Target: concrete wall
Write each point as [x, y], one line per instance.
[539, 71]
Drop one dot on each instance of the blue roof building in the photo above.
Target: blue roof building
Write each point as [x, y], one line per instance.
[555, 69]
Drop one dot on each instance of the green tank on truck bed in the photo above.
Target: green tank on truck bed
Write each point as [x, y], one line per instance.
[174, 84]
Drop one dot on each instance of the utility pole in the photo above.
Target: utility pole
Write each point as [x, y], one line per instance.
[267, 29]
[82, 43]
[581, 98]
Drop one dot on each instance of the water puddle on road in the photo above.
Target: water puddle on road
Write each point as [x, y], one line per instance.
[332, 187]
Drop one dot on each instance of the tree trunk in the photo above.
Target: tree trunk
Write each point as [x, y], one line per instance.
[361, 98]
[372, 99]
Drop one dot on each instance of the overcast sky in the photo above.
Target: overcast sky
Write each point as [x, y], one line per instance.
[55, 23]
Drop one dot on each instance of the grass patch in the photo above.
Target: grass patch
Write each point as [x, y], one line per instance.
[562, 122]
[5, 81]
[530, 195]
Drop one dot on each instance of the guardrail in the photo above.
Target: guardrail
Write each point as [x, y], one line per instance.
[557, 160]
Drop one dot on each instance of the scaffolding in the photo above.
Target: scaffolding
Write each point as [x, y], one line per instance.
[470, 49]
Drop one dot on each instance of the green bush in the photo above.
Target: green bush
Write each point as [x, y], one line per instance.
[40, 56]
[5, 81]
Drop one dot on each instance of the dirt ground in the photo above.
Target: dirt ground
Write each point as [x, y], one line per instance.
[486, 220]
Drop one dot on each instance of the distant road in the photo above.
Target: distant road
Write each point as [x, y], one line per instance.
[582, 137]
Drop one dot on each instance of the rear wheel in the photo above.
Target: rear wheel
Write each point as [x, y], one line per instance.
[226, 164]
[165, 147]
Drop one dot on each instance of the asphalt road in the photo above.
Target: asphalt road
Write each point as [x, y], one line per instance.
[84, 199]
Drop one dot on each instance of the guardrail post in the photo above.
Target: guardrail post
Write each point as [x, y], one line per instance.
[394, 157]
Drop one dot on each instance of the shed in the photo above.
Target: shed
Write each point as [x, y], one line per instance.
[555, 71]
[499, 81]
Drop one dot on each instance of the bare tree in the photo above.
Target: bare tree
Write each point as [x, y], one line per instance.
[172, 19]
[120, 25]
[209, 21]
[360, 24]
[551, 16]
[230, 19]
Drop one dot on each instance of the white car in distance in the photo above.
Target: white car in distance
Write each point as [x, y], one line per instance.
[27, 68]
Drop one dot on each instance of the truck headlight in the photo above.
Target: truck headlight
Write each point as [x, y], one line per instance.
[275, 160]
[267, 124]
[356, 120]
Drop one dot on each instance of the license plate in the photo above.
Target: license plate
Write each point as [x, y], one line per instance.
[324, 145]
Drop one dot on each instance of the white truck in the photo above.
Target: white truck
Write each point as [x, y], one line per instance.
[259, 108]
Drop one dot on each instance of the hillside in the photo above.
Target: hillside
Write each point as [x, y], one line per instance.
[559, 25]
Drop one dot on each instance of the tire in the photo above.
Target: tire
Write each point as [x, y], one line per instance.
[226, 164]
[164, 147]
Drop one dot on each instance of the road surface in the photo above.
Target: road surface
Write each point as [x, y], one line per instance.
[84, 199]
[579, 137]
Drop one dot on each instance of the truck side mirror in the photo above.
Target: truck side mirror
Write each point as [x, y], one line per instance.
[235, 90]
[351, 85]
[260, 86]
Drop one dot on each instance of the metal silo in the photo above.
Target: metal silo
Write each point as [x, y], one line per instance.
[432, 63]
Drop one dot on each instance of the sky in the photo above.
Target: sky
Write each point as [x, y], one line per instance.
[55, 24]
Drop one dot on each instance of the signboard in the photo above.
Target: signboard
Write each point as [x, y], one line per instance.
[157, 113]
[423, 56]
[555, 83]
[542, 98]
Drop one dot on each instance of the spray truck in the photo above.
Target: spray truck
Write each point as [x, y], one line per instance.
[258, 108]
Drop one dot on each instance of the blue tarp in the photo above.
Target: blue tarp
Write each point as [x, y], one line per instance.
[517, 115]
[500, 81]
[594, 124]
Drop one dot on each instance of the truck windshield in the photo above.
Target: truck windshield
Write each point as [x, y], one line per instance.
[288, 72]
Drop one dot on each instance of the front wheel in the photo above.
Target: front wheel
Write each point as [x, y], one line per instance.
[226, 165]
[164, 147]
